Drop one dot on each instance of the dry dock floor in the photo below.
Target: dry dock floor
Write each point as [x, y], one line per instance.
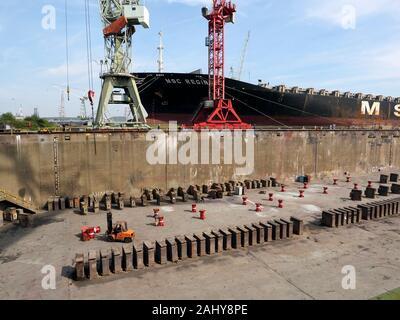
[307, 267]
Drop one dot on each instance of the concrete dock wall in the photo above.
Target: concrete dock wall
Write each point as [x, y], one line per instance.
[36, 166]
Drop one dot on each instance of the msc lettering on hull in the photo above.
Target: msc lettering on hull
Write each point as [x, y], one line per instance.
[187, 81]
[375, 109]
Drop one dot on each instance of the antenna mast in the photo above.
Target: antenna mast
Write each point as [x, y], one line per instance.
[160, 54]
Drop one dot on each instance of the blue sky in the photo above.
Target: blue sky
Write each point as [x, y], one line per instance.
[295, 42]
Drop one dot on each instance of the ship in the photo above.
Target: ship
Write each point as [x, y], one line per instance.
[179, 96]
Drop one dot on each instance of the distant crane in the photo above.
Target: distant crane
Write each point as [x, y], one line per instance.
[223, 115]
[120, 18]
[83, 113]
[78, 93]
[160, 54]
[243, 58]
[61, 108]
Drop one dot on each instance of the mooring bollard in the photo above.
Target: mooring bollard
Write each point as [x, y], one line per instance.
[301, 193]
[348, 179]
[194, 208]
[369, 184]
[283, 188]
[259, 207]
[335, 182]
[325, 190]
[161, 222]
[245, 201]
[305, 185]
[271, 197]
[203, 214]
[280, 206]
[356, 186]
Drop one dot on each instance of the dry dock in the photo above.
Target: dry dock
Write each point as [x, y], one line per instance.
[305, 267]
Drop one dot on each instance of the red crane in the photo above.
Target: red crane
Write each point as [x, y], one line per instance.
[223, 115]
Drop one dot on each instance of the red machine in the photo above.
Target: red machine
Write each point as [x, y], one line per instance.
[115, 27]
[89, 233]
[223, 115]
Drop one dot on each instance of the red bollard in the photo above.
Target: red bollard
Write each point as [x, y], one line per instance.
[161, 222]
[335, 182]
[194, 208]
[245, 201]
[203, 214]
[156, 212]
[280, 206]
[369, 184]
[325, 190]
[305, 185]
[356, 186]
[301, 194]
[271, 197]
[348, 179]
[283, 188]
[259, 207]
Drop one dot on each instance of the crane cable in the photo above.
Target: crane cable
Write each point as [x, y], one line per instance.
[258, 111]
[90, 66]
[89, 44]
[67, 48]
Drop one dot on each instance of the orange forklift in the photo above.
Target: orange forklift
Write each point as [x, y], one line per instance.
[118, 232]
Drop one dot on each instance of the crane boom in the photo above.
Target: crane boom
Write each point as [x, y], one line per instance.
[243, 58]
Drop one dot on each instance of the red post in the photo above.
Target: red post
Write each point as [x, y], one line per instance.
[335, 182]
[245, 201]
[203, 214]
[259, 207]
[161, 222]
[194, 208]
[325, 190]
[356, 186]
[156, 212]
[283, 188]
[280, 206]
[369, 184]
[305, 185]
[301, 194]
[271, 197]
[348, 179]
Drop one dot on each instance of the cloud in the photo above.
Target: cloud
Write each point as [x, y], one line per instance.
[334, 12]
[191, 2]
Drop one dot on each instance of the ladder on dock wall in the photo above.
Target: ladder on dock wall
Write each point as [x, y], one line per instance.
[17, 201]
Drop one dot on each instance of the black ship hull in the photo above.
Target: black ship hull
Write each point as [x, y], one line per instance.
[177, 97]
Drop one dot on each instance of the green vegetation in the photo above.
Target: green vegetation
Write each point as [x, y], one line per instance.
[33, 123]
[391, 295]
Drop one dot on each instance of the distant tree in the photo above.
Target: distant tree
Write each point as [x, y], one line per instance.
[37, 123]
[8, 118]
[30, 123]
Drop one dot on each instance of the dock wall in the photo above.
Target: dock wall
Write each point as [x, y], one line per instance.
[36, 166]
